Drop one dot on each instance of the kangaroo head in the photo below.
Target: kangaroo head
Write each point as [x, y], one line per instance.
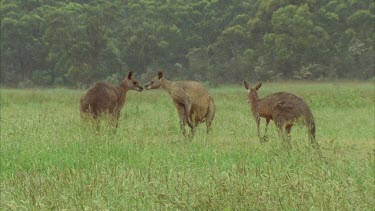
[252, 92]
[155, 83]
[131, 83]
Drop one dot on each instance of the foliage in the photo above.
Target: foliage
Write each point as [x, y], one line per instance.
[80, 42]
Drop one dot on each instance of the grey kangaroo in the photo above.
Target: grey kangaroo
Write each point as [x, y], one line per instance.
[284, 109]
[107, 98]
[193, 102]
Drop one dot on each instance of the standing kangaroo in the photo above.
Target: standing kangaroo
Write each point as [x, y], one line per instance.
[193, 102]
[284, 109]
[107, 98]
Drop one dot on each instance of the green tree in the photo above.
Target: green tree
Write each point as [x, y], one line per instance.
[296, 40]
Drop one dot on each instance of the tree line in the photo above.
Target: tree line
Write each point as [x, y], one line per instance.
[74, 43]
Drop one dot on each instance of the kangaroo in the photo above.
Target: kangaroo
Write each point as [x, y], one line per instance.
[107, 98]
[284, 109]
[193, 102]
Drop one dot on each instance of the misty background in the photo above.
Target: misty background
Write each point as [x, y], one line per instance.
[48, 43]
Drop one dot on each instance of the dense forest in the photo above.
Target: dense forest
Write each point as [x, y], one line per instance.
[75, 43]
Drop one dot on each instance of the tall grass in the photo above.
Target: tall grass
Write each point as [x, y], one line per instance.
[51, 160]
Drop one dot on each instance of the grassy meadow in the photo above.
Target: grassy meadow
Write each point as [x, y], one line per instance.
[52, 160]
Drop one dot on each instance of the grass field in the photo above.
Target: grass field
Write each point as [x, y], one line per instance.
[51, 160]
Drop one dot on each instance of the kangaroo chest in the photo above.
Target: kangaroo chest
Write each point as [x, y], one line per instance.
[264, 111]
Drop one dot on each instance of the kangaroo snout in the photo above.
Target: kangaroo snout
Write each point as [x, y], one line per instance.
[151, 85]
[147, 86]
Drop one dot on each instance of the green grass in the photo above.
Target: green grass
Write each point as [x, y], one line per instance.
[52, 160]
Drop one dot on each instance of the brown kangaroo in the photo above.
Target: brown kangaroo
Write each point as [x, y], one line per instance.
[107, 98]
[284, 109]
[193, 102]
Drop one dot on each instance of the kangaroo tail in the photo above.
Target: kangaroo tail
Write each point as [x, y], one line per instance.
[211, 108]
[210, 114]
[312, 129]
[310, 124]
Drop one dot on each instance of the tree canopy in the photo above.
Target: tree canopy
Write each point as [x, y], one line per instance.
[75, 43]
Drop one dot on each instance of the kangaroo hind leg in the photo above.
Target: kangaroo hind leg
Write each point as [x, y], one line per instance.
[288, 131]
[265, 137]
[283, 130]
[187, 104]
[182, 117]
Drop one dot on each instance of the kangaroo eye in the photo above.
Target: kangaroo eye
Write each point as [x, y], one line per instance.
[135, 83]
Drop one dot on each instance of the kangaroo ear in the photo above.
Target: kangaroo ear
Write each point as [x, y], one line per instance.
[130, 75]
[246, 85]
[160, 74]
[258, 86]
